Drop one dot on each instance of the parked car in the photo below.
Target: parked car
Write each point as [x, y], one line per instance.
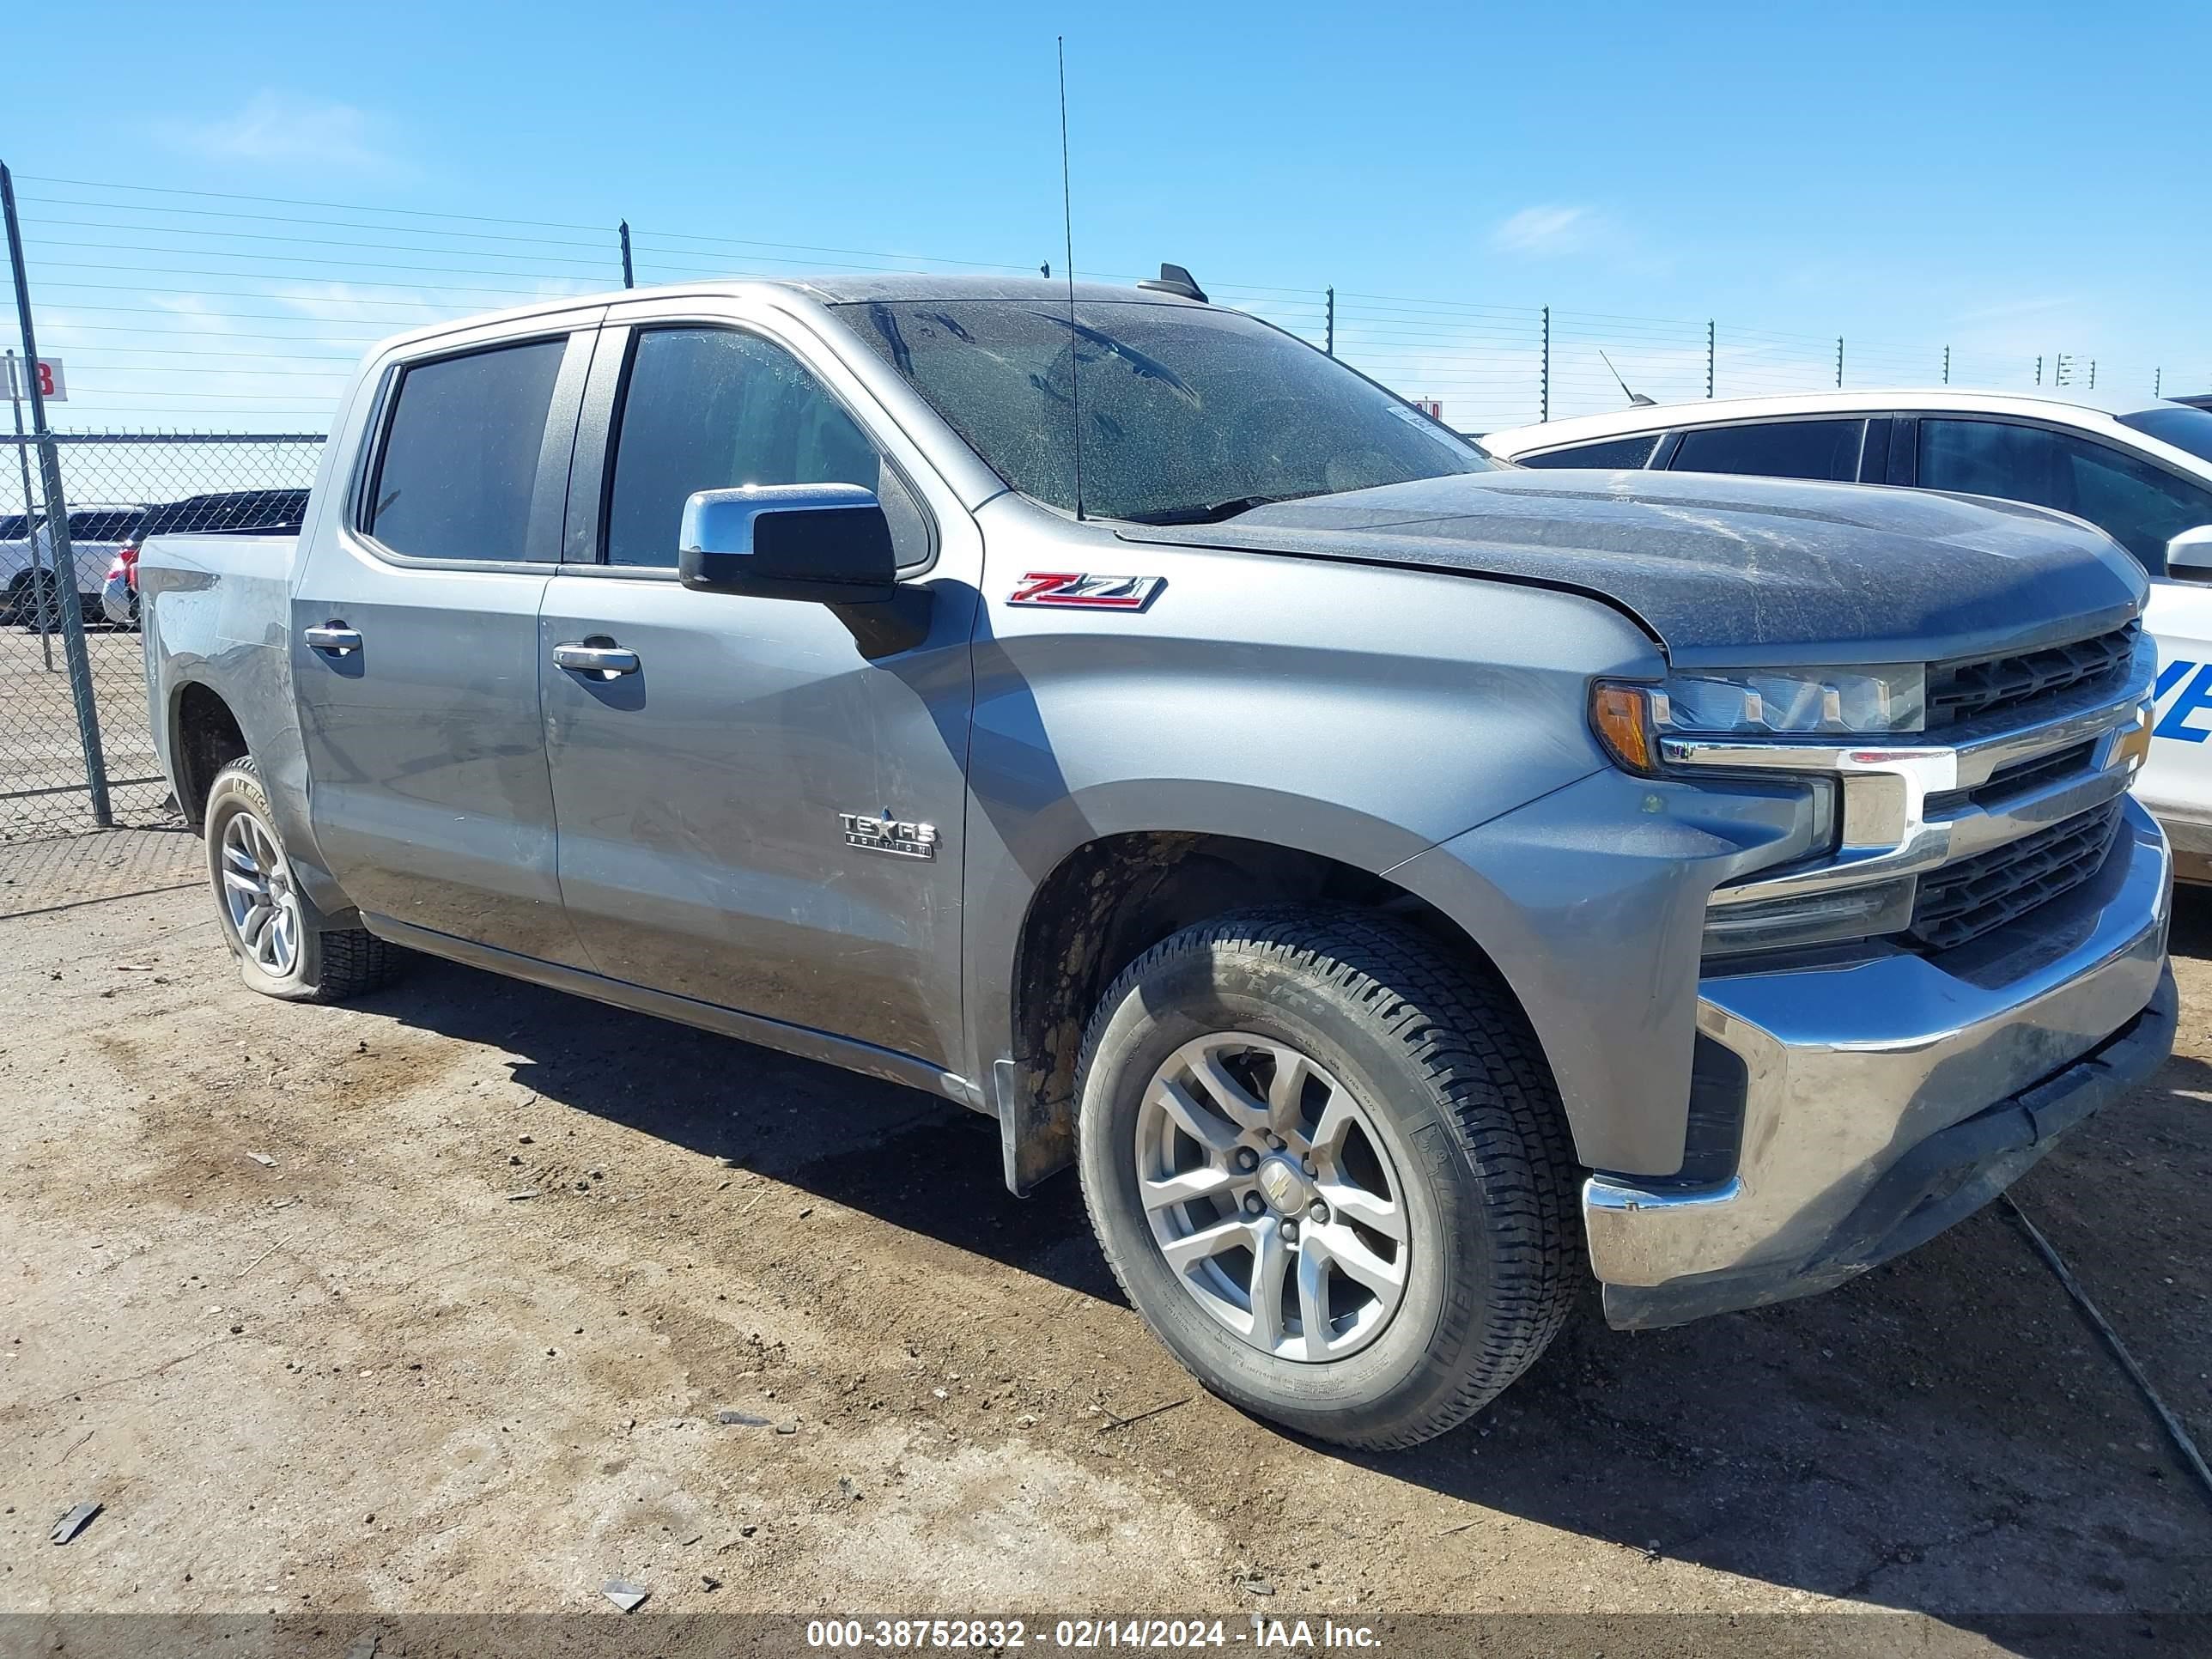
[235, 512]
[1404, 887]
[27, 577]
[2143, 474]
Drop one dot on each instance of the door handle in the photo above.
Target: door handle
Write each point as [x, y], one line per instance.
[333, 639]
[585, 657]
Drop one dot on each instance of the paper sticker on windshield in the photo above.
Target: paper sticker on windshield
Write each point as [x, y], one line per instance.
[1078, 591]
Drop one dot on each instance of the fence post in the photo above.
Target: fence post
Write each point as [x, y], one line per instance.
[1708, 356]
[1544, 373]
[30, 541]
[1330, 344]
[1840, 362]
[623, 230]
[58, 536]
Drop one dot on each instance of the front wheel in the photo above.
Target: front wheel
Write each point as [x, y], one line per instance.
[270, 926]
[1330, 1170]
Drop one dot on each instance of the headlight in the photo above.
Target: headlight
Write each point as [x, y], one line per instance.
[1631, 718]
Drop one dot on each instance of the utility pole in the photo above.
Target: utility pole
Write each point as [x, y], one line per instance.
[58, 536]
[1330, 325]
[1709, 357]
[1840, 362]
[1946, 365]
[630, 279]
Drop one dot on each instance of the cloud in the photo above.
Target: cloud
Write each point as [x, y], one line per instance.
[1546, 230]
[283, 129]
[2008, 309]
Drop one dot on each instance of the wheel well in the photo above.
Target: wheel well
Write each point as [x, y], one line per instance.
[1113, 899]
[207, 738]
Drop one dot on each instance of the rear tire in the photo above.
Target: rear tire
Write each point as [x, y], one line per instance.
[274, 930]
[1420, 1259]
[33, 598]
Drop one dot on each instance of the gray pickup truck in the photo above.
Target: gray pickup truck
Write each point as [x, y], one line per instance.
[1406, 888]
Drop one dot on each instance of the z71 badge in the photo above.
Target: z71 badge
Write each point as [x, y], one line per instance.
[896, 836]
[1078, 591]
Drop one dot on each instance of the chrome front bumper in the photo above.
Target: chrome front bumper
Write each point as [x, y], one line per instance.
[1885, 1098]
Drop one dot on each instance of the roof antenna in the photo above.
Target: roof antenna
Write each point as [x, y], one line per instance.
[1074, 340]
[1636, 399]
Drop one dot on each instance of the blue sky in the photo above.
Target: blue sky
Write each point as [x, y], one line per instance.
[2010, 179]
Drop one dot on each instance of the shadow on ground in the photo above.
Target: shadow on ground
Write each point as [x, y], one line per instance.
[1943, 1435]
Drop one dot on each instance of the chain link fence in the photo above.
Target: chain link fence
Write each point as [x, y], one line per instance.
[117, 489]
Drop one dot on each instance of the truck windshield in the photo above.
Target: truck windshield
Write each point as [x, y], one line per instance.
[1189, 416]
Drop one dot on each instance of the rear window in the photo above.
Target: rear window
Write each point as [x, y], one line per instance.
[101, 526]
[1611, 452]
[460, 454]
[1777, 449]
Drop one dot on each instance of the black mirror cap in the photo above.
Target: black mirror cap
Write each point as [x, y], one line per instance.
[830, 555]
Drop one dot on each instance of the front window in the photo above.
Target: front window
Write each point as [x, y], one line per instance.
[1187, 415]
[2176, 424]
[2139, 505]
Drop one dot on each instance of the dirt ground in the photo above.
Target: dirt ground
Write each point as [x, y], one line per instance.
[427, 1305]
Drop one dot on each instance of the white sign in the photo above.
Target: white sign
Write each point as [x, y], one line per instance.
[1432, 407]
[53, 386]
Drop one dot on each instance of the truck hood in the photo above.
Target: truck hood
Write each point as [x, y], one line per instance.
[1731, 570]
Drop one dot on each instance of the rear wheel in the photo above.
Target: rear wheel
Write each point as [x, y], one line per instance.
[1330, 1170]
[270, 926]
[34, 600]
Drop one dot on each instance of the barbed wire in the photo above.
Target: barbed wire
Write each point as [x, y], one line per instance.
[269, 300]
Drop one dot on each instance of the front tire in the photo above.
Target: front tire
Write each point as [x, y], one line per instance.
[1329, 1167]
[273, 928]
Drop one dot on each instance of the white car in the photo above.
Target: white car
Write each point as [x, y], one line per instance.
[2141, 473]
[97, 530]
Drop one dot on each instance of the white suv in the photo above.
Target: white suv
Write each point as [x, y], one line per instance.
[26, 560]
[2141, 474]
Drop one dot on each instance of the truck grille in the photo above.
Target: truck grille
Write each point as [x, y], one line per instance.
[1959, 691]
[1964, 900]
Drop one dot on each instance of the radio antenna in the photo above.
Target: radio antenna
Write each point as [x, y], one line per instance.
[1074, 340]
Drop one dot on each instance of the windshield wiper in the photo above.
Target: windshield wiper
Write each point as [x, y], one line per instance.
[1215, 512]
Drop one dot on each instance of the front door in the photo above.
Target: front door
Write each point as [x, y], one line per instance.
[415, 646]
[714, 789]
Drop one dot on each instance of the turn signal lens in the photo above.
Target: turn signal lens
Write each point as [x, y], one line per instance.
[1621, 717]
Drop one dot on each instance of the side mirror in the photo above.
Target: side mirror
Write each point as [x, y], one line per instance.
[2190, 551]
[829, 543]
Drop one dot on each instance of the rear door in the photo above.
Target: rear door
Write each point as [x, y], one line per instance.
[703, 794]
[414, 641]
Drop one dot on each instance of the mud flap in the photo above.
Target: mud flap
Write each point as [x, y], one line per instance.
[1035, 1140]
